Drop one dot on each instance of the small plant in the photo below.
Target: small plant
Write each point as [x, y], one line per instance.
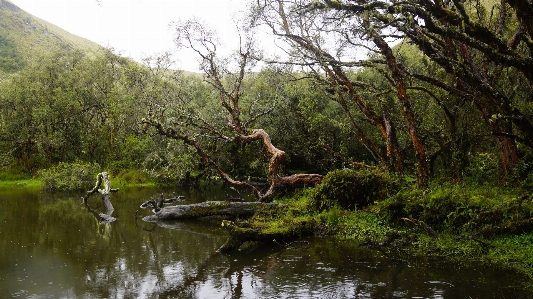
[134, 177]
[333, 216]
[74, 176]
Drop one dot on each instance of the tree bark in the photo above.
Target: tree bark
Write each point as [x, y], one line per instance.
[408, 114]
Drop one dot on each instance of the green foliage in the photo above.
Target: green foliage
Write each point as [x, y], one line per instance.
[353, 189]
[10, 60]
[365, 227]
[320, 139]
[71, 106]
[76, 176]
[12, 173]
[523, 172]
[170, 165]
[66, 105]
[458, 208]
[134, 177]
[513, 251]
[290, 219]
[484, 168]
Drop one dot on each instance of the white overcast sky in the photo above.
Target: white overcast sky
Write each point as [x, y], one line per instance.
[138, 28]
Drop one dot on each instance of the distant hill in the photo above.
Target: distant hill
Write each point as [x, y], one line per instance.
[24, 37]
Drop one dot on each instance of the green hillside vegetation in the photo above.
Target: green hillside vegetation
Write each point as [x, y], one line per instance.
[10, 59]
[24, 37]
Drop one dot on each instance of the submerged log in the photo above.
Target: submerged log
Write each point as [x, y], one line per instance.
[158, 204]
[209, 208]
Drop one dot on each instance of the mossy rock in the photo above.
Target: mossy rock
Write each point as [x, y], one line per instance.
[353, 189]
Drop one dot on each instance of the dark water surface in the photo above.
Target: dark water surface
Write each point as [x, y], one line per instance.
[51, 246]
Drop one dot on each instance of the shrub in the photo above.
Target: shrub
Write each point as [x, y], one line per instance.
[12, 173]
[75, 176]
[352, 189]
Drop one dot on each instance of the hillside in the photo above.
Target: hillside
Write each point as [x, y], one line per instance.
[24, 37]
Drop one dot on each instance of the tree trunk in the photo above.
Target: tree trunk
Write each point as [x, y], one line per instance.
[408, 114]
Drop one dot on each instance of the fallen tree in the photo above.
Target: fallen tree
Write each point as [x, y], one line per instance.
[277, 156]
[209, 208]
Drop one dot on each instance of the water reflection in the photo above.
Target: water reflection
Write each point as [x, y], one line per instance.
[55, 247]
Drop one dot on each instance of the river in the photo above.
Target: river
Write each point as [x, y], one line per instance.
[52, 246]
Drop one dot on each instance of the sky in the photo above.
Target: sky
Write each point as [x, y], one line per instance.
[138, 28]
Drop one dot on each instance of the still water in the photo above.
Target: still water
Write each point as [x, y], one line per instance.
[51, 246]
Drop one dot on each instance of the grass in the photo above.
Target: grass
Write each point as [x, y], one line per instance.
[129, 179]
[14, 178]
[27, 183]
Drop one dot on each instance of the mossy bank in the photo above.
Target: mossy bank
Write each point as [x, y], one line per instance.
[457, 222]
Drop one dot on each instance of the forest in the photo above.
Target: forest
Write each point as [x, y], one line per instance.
[441, 92]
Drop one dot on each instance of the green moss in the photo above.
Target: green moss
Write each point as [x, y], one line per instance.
[458, 208]
[513, 252]
[364, 227]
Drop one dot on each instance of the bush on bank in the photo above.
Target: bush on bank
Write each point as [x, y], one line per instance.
[76, 176]
[353, 189]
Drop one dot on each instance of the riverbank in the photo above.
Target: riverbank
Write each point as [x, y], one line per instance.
[35, 184]
[451, 222]
[458, 223]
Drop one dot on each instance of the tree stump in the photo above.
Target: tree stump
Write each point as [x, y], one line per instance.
[103, 177]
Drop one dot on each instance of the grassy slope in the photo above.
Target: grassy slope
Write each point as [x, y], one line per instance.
[32, 36]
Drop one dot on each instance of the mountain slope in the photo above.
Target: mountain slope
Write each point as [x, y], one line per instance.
[24, 37]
